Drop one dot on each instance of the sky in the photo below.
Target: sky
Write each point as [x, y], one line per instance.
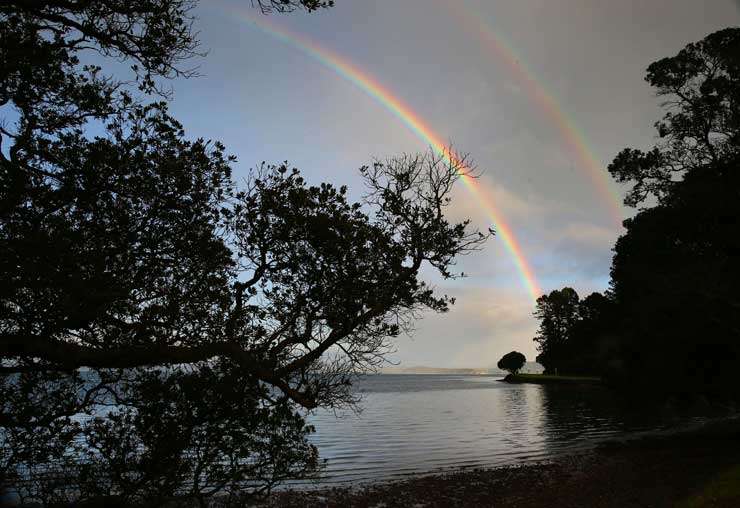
[541, 94]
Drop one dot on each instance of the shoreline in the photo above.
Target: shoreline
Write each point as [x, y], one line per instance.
[546, 379]
[691, 469]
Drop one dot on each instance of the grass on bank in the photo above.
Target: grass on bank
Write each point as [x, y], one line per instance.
[724, 490]
[552, 379]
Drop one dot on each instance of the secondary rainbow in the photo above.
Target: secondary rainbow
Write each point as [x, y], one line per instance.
[576, 140]
[393, 104]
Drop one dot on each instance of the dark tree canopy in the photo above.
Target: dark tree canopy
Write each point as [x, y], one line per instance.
[593, 341]
[268, 6]
[160, 327]
[557, 313]
[701, 126]
[512, 362]
[675, 270]
[675, 276]
[574, 336]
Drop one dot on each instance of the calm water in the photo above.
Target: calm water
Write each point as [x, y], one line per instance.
[424, 423]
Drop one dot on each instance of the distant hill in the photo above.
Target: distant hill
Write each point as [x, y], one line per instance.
[432, 370]
[529, 368]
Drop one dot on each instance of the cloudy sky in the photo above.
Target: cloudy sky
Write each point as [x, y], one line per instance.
[541, 93]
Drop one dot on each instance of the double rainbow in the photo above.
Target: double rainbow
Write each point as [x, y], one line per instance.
[474, 23]
[414, 122]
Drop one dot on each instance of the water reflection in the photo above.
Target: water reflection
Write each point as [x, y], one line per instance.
[425, 423]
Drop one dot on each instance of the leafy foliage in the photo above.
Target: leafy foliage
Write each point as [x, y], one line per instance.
[162, 332]
[269, 6]
[147, 437]
[669, 323]
[512, 362]
[574, 334]
[557, 313]
[674, 275]
[675, 269]
[701, 87]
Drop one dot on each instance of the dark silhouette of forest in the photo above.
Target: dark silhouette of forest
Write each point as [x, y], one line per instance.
[670, 322]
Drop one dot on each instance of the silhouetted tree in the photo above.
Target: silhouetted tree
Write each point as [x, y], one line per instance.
[557, 313]
[159, 327]
[269, 6]
[675, 270]
[512, 362]
[592, 344]
[701, 88]
[575, 336]
[674, 275]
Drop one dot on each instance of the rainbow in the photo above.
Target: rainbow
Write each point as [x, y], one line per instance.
[575, 139]
[408, 117]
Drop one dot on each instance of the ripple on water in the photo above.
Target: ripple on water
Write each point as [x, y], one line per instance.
[417, 424]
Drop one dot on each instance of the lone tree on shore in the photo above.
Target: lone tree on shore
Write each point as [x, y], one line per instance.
[137, 280]
[512, 362]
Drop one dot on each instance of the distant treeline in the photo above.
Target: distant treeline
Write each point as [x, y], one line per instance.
[670, 321]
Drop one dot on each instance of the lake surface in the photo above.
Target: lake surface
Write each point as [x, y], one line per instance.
[413, 424]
